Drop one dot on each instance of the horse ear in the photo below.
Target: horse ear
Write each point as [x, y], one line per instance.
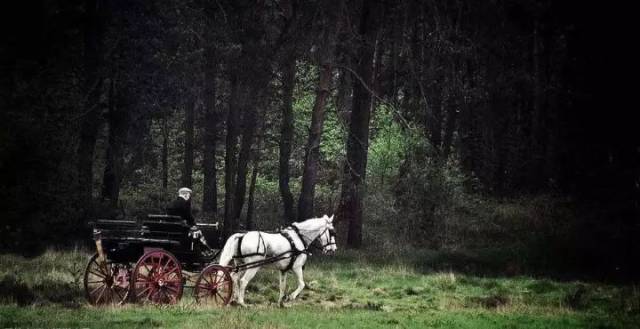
[331, 218]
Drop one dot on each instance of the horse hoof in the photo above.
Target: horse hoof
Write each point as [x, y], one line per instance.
[283, 305]
[237, 304]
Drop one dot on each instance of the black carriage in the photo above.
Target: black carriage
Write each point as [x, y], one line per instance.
[152, 261]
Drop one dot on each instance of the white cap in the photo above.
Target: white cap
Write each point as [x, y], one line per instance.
[184, 190]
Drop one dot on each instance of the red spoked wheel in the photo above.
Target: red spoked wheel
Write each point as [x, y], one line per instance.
[106, 283]
[157, 278]
[214, 286]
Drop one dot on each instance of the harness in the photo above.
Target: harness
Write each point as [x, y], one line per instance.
[291, 254]
[257, 253]
[294, 250]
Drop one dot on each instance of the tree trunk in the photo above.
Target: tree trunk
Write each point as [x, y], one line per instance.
[86, 150]
[118, 126]
[350, 208]
[93, 86]
[252, 190]
[312, 154]
[451, 106]
[537, 116]
[230, 155]
[165, 153]
[187, 169]
[343, 97]
[435, 118]
[209, 198]
[249, 126]
[286, 138]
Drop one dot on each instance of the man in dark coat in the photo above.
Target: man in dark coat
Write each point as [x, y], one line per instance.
[182, 206]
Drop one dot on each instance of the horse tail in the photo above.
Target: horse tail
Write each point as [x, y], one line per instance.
[229, 249]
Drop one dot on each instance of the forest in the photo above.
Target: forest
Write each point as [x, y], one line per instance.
[407, 114]
[490, 133]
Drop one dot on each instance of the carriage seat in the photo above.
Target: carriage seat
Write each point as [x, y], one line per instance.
[166, 219]
[165, 227]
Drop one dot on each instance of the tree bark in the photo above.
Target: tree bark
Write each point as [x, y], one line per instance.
[451, 106]
[350, 208]
[249, 126]
[252, 190]
[343, 97]
[210, 196]
[93, 87]
[230, 155]
[537, 116]
[435, 118]
[286, 138]
[117, 119]
[165, 153]
[187, 169]
[312, 153]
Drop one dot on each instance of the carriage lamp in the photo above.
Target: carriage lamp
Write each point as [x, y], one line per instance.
[96, 234]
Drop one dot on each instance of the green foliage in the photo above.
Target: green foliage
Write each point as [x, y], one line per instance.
[389, 145]
[333, 135]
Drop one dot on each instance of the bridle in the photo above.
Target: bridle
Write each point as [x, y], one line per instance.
[312, 244]
[331, 239]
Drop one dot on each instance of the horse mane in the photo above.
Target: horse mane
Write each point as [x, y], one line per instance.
[314, 226]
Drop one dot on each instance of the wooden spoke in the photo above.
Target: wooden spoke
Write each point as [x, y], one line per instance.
[100, 280]
[157, 278]
[213, 286]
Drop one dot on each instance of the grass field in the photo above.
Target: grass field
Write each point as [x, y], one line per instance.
[348, 290]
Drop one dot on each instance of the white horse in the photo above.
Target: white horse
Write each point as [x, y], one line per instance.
[286, 250]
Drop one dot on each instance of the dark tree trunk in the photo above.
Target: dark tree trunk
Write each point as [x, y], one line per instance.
[209, 198]
[252, 191]
[86, 150]
[93, 86]
[165, 153]
[537, 116]
[230, 155]
[249, 126]
[343, 97]
[312, 154]
[435, 118]
[305, 203]
[452, 117]
[350, 208]
[187, 169]
[286, 138]
[117, 119]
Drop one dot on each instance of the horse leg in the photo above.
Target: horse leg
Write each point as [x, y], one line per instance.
[283, 287]
[298, 272]
[243, 282]
[235, 279]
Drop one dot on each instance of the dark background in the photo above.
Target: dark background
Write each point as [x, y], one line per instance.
[106, 78]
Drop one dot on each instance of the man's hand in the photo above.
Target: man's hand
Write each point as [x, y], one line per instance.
[195, 232]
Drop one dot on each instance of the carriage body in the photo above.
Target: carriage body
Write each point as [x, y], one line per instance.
[144, 260]
[125, 241]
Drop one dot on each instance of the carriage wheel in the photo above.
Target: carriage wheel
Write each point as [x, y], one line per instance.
[106, 283]
[214, 286]
[157, 278]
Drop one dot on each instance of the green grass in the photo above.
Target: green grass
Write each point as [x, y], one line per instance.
[349, 290]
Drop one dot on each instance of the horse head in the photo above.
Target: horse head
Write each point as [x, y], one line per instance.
[327, 238]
